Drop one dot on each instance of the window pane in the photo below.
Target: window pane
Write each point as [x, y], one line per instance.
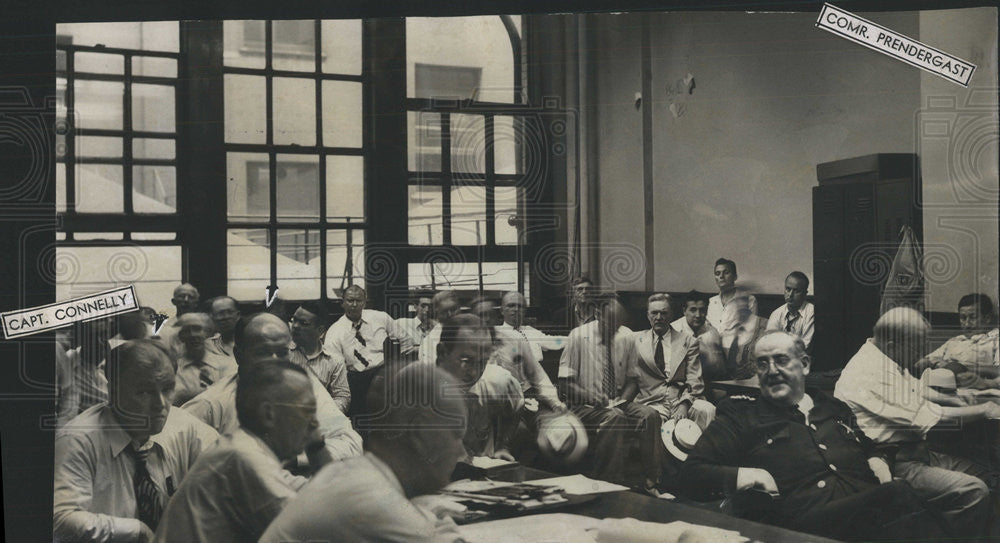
[89, 236]
[248, 263]
[60, 187]
[342, 46]
[94, 146]
[456, 275]
[245, 109]
[342, 114]
[423, 141]
[155, 66]
[299, 264]
[464, 45]
[468, 215]
[358, 254]
[153, 148]
[505, 202]
[147, 35]
[297, 183]
[154, 235]
[468, 143]
[500, 275]
[294, 111]
[345, 187]
[99, 188]
[154, 189]
[98, 63]
[153, 108]
[426, 225]
[345, 265]
[419, 275]
[505, 144]
[60, 99]
[98, 104]
[243, 44]
[294, 45]
[248, 177]
[154, 271]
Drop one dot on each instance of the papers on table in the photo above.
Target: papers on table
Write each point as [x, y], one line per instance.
[485, 462]
[565, 528]
[579, 485]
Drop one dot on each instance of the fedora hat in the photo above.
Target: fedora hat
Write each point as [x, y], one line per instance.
[562, 438]
[680, 436]
[940, 379]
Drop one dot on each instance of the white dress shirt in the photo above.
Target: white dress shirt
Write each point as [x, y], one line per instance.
[94, 495]
[412, 333]
[429, 346]
[365, 353]
[975, 350]
[537, 340]
[803, 326]
[723, 316]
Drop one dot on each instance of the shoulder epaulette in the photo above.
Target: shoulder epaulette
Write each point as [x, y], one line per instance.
[742, 397]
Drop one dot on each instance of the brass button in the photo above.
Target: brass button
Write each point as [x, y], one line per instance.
[821, 484]
[834, 468]
[822, 446]
[770, 441]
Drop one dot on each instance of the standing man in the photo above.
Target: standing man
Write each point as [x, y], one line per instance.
[797, 315]
[225, 312]
[197, 366]
[721, 313]
[739, 337]
[308, 351]
[185, 299]
[896, 410]
[265, 337]
[118, 463]
[592, 374]
[445, 306]
[694, 322]
[665, 374]
[807, 449]
[414, 329]
[235, 489]
[358, 337]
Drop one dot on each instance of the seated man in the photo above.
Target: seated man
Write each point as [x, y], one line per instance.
[412, 451]
[522, 356]
[493, 396]
[117, 463]
[512, 308]
[413, 330]
[694, 322]
[358, 337]
[266, 337]
[445, 305]
[973, 355]
[592, 373]
[896, 410]
[197, 366]
[738, 339]
[721, 313]
[225, 312]
[796, 315]
[185, 299]
[806, 449]
[235, 489]
[665, 374]
[307, 350]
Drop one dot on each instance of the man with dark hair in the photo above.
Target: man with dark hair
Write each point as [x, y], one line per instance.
[262, 338]
[973, 356]
[493, 396]
[721, 313]
[234, 490]
[582, 296]
[445, 305]
[796, 315]
[225, 312]
[806, 448]
[118, 463]
[358, 338]
[307, 324]
[197, 366]
[694, 322]
[414, 329]
[411, 452]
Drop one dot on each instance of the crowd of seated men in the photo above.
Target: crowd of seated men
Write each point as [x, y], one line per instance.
[216, 425]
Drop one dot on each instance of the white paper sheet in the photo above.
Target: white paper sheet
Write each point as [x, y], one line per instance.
[579, 485]
[549, 528]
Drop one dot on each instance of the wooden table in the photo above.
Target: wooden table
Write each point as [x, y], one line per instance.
[641, 507]
[750, 387]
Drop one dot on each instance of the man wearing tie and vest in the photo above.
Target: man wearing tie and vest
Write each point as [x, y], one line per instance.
[797, 315]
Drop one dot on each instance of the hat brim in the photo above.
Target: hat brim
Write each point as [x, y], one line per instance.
[667, 434]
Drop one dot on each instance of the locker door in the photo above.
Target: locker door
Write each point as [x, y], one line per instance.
[862, 300]
[829, 275]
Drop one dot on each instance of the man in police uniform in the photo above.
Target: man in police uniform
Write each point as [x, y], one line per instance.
[800, 460]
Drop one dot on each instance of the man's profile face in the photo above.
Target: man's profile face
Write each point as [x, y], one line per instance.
[795, 292]
[226, 314]
[513, 310]
[781, 372]
[297, 417]
[423, 309]
[972, 320]
[305, 327]
[659, 315]
[466, 359]
[725, 277]
[695, 313]
[354, 303]
[141, 394]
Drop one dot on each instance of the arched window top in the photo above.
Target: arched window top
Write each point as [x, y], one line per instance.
[466, 58]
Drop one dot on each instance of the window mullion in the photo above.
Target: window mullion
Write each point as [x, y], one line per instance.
[490, 181]
[272, 159]
[446, 177]
[127, 138]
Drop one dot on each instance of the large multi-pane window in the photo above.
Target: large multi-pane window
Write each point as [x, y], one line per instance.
[116, 170]
[295, 156]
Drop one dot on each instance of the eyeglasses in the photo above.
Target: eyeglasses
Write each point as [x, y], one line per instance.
[781, 362]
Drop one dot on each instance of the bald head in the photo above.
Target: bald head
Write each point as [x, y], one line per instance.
[512, 307]
[185, 298]
[901, 333]
[264, 337]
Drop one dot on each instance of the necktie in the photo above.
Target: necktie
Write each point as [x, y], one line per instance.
[732, 359]
[608, 382]
[147, 497]
[658, 356]
[792, 317]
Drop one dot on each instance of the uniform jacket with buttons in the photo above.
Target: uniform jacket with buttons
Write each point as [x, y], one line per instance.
[812, 464]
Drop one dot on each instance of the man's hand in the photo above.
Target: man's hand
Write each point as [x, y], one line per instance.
[600, 400]
[991, 410]
[747, 478]
[503, 454]
[145, 534]
[680, 412]
[316, 450]
[880, 469]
